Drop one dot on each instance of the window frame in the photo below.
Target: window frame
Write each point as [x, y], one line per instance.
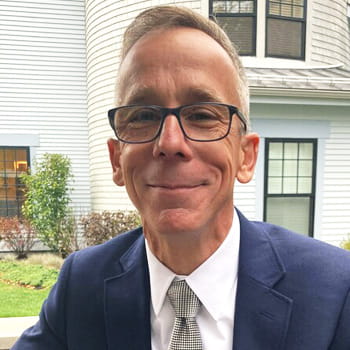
[17, 199]
[254, 26]
[311, 195]
[292, 19]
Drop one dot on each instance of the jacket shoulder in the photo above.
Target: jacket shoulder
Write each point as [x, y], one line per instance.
[299, 251]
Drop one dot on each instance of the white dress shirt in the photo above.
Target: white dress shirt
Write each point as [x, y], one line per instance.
[215, 284]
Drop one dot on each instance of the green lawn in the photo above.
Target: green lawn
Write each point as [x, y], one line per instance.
[24, 287]
[18, 301]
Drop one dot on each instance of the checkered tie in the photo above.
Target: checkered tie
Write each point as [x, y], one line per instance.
[186, 334]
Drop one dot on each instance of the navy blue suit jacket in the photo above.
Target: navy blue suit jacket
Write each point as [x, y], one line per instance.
[292, 294]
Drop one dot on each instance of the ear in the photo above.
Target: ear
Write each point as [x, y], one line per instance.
[114, 156]
[249, 149]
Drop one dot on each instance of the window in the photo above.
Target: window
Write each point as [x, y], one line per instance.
[285, 28]
[13, 162]
[244, 22]
[290, 168]
[238, 19]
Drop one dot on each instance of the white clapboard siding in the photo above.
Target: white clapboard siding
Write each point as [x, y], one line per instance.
[43, 82]
[245, 198]
[105, 24]
[336, 196]
[330, 32]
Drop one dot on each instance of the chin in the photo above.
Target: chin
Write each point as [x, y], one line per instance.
[178, 220]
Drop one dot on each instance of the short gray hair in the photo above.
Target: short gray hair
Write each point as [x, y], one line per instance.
[166, 17]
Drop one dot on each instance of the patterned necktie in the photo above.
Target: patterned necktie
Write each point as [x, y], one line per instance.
[186, 334]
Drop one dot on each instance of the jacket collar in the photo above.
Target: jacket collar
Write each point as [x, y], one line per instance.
[127, 302]
[262, 313]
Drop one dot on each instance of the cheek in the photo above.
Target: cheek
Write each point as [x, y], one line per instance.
[231, 156]
[133, 162]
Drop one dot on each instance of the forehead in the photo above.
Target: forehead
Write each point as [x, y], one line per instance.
[177, 61]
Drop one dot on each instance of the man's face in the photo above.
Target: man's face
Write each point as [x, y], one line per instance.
[181, 186]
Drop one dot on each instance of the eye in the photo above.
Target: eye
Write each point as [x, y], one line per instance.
[143, 116]
[200, 114]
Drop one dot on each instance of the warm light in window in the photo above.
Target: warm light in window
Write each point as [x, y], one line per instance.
[20, 165]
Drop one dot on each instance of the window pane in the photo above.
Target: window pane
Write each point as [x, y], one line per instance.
[219, 7]
[275, 168]
[287, 8]
[298, 2]
[232, 7]
[2, 193]
[291, 150]
[12, 211]
[21, 155]
[275, 185]
[305, 168]
[289, 185]
[275, 9]
[286, 11]
[10, 154]
[275, 150]
[305, 185]
[240, 30]
[298, 12]
[290, 168]
[247, 7]
[305, 150]
[284, 38]
[279, 212]
[11, 193]
[9, 166]
[13, 163]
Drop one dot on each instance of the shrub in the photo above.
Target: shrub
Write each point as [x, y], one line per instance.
[18, 235]
[100, 227]
[47, 200]
[345, 244]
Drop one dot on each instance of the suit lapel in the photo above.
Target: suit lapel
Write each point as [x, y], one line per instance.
[262, 313]
[127, 302]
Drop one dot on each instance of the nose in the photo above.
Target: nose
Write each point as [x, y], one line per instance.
[171, 142]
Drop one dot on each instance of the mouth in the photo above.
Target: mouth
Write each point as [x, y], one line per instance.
[178, 186]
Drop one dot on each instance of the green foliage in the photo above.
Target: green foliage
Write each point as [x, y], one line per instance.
[37, 276]
[24, 287]
[346, 244]
[47, 200]
[100, 227]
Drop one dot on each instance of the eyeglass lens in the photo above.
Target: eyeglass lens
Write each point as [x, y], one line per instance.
[203, 122]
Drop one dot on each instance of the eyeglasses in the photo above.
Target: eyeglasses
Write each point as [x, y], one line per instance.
[202, 122]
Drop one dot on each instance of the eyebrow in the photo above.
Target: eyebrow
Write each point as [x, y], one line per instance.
[146, 95]
[197, 94]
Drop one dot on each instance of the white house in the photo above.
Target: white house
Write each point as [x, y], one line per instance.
[58, 63]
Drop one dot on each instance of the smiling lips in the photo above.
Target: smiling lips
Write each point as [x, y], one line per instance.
[177, 186]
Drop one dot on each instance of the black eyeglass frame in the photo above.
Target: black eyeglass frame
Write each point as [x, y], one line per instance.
[165, 112]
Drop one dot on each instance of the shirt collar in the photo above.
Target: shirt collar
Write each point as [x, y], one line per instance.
[213, 281]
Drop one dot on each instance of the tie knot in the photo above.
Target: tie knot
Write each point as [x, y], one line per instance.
[183, 300]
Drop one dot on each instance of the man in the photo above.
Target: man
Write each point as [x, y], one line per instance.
[183, 140]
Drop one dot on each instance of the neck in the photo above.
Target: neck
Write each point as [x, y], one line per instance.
[184, 252]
